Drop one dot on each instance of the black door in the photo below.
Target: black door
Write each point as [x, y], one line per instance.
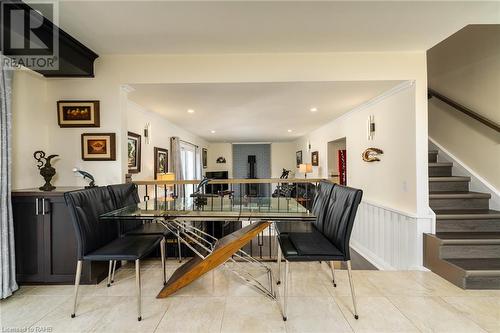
[29, 235]
[60, 241]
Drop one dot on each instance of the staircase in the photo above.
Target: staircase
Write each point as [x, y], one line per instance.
[466, 247]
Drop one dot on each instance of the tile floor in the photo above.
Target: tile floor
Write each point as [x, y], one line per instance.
[410, 301]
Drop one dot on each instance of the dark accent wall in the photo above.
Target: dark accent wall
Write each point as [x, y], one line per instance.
[262, 153]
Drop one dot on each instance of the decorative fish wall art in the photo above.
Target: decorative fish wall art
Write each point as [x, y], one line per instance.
[370, 154]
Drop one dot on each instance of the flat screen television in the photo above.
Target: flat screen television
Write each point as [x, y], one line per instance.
[213, 189]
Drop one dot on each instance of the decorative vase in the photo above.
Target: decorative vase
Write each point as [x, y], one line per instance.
[47, 171]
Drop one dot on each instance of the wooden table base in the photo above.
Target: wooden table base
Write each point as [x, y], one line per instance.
[223, 250]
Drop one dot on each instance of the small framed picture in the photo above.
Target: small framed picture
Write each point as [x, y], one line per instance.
[204, 157]
[134, 152]
[98, 147]
[161, 161]
[298, 157]
[78, 113]
[315, 158]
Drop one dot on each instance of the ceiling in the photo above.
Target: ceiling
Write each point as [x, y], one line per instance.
[156, 27]
[250, 112]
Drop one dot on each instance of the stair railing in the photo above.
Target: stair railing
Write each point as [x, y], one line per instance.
[485, 121]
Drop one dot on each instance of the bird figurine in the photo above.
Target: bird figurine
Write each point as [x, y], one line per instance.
[87, 175]
[47, 171]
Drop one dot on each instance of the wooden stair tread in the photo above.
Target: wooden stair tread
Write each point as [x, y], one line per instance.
[449, 179]
[469, 238]
[479, 265]
[224, 249]
[467, 214]
[459, 195]
[440, 164]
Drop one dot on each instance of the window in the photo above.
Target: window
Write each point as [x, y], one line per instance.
[190, 161]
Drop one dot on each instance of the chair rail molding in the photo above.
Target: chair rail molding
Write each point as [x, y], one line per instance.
[389, 238]
[477, 183]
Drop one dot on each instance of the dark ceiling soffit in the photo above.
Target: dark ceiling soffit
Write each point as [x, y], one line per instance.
[75, 59]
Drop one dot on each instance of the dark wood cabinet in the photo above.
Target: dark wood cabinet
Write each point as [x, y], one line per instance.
[46, 247]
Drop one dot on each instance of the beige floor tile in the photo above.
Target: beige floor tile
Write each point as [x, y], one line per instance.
[193, 314]
[396, 283]
[363, 287]
[252, 314]
[433, 314]
[484, 311]
[90, 309]
[47, 290]
[213, 283]
[307, 283]
[376, 314]
[436, 285]
[315, 314]
[121, 315]
[24, 310]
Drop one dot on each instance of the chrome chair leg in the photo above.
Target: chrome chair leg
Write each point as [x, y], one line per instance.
[332, 268]
[162, 253]
[138, 286]
[77, 283]
[279, 265]
[109, 272]
[179, 246]
[285, 289]
[353, 294]
[113, 272]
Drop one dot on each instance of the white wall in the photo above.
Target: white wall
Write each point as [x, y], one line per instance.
[30, 128]
[216, 150]
[161, 132]
[392, 181]
[282, 156]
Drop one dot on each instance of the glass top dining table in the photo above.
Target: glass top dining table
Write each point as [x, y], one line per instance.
[215, 208]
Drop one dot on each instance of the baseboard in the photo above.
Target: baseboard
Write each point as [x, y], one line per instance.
[371, 257]
[478, 183]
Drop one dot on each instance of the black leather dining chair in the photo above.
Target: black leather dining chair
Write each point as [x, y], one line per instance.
[99, 241]
[325, 239]
[127, 194]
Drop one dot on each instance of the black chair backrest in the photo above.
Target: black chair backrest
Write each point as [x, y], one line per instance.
[320, 201]
[340, 214]
[125, 195]
[85, 207]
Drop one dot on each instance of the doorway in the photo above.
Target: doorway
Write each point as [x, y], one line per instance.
[337, 160]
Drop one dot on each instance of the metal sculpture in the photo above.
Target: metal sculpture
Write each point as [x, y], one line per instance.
[87, 175]
[47, 171]
[370, 154]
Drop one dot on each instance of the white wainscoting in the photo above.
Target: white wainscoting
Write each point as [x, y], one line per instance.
[388, 238]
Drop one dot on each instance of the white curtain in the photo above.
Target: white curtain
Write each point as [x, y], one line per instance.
[7, 257]
[176, 163]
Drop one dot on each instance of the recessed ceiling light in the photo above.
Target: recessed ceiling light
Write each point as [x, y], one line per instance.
[190, 111]
[212, 131]
[313, 109]
[289, 131]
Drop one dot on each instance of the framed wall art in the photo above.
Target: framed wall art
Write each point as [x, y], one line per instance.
[78, 113]
[315, 158]
[161, 161]
[298, 157]
[204, 157]
[98, 147]
[134, 152]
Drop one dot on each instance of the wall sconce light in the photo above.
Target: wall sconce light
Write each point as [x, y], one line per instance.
[371, 127]
[147, 133]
